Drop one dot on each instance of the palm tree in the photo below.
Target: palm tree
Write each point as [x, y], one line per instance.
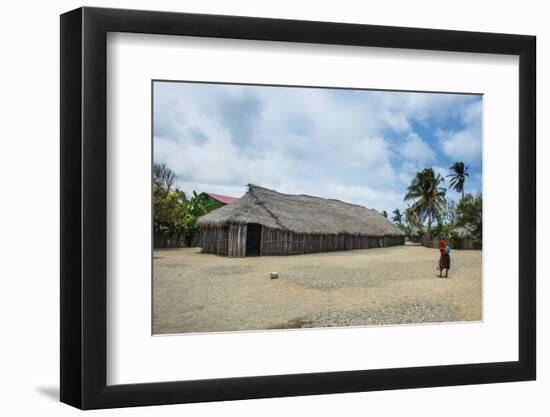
[428, 196]
[397, 217]
[458, 177]
[385, 213]
[411, 218]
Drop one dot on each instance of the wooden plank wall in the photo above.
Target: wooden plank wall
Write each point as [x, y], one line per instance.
[280, 242]
[231, 241]
[236, 240]
[214, 240]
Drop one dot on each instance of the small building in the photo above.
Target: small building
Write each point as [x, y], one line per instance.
[464, 238]
[266, 222]
[215, 201]
[415, 234]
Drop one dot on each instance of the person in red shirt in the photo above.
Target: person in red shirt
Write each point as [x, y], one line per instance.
[444, 259]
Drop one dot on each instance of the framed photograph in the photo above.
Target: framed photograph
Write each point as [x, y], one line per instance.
[257, 208]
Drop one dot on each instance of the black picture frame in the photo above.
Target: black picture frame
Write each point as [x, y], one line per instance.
[84, 207]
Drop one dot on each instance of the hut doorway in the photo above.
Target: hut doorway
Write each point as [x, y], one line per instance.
[253, 239]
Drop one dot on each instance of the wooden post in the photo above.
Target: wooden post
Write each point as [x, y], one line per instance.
[261, 239]
[242, 241]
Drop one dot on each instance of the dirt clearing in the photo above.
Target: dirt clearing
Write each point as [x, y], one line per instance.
[195, 292]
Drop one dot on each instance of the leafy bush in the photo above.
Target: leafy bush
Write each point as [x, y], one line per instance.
[470, 214]
[173, 213]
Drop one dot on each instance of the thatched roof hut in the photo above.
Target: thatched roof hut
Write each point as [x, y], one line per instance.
[464, 238]
[266, 222]
[416, 231]
[416, 234]
[463, 232]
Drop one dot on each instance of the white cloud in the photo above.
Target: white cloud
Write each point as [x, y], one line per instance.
[472, 113]
[314, 141]
[465, 145]
[415, 150]
[366, 196]
[443, 171]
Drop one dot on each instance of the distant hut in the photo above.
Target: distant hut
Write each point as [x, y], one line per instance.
[416, 234]
[463, 237]
[266, 222]
[214, 201]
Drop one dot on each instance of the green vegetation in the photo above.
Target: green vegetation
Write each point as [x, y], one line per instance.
[428, 196]
[429, 203]
[458, 177]
[412, 219]
[176, 214]
[173, 212]
[397, 217]
[470, 214]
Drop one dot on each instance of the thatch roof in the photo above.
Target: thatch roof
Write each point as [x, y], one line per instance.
[416, 231]
[463, 232]
[300, 214]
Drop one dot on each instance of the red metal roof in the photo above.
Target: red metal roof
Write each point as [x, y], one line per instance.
[225, 199]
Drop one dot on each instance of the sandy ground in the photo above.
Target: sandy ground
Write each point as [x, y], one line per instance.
[194, 292]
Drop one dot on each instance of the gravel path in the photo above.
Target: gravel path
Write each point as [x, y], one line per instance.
[417, 311]
[194, 292]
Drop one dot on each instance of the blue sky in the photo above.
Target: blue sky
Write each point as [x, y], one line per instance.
[359, 146]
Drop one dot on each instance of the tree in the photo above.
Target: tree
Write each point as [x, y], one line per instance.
[411, 218]
[469, 213]
[163, 177]
[173, 213]
[411, 222]
[194, 208]
[447, 215]
[385, 213]
[167, 204]
[458, 177]
[168, 210]
[427, 196]
[397, 217]
[449, 212]
[446, 219]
